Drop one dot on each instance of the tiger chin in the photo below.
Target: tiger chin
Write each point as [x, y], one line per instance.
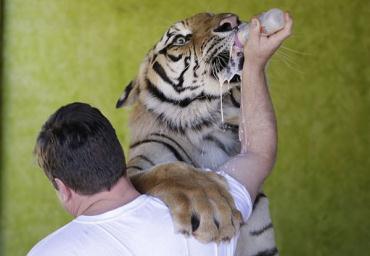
[176, 120]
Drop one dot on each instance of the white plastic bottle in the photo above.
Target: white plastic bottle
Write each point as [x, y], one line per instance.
[271, 21]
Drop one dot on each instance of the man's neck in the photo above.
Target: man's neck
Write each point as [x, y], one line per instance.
[120, 194]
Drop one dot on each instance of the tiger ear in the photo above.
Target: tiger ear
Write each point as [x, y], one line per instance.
[129, 95]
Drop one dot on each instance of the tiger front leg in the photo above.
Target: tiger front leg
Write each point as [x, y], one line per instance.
[199, 201]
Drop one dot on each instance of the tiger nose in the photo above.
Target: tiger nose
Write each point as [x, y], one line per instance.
[232, 21]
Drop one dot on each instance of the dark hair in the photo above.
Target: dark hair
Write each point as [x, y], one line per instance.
[79, 146]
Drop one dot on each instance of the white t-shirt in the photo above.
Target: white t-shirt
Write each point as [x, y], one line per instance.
[142, 227]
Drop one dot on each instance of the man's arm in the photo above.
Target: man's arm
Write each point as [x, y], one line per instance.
[258, 124]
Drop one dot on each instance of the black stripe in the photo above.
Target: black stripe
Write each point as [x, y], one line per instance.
[205, 43]
[144, 158]
[127, 91]
[260, 231]
[135, 167]
[160, 71]
[196, 67]
[177, 87]
[181, 78]
[168, 146]
[181, 103]
[269, 252]
[217, 142]
[233, 100]
[198, 126]
[174, 58]
[258, 197]
[176, 143]
[163, 51]
[154, 58]
[168, 34]
[214, 45]
[211, 55]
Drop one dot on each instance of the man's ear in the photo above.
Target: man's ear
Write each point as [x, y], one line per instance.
[63, 190]
[129, 95]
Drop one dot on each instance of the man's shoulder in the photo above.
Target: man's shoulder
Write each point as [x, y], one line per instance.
[56, 242]
[139, 214]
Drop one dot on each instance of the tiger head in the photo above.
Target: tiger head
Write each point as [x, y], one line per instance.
[179, 78]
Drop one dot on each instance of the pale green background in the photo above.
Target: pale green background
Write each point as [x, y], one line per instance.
[59, 51]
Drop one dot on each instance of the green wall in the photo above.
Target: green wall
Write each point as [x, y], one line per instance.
[60, 51]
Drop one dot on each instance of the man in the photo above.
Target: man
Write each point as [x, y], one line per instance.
[80, 154]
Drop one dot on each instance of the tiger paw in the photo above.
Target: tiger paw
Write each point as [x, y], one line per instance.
[199, 201]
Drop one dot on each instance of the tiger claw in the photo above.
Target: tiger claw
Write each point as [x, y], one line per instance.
[199, 201]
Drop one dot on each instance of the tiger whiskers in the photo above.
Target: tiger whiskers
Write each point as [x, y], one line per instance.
[216, 69]
[284, 57]
[294, 51]
[221, 61]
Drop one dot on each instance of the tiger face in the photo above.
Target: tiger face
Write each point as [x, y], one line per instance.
[180, 74]
[195, 52]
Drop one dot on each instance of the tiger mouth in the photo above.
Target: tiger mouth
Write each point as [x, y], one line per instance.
[223, 62]
[236, 79]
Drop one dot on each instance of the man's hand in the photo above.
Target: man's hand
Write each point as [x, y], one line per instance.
[259, 48]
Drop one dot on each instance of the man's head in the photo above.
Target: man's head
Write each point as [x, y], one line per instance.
[78, 149]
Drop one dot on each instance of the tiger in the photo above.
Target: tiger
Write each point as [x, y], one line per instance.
[182, 113]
